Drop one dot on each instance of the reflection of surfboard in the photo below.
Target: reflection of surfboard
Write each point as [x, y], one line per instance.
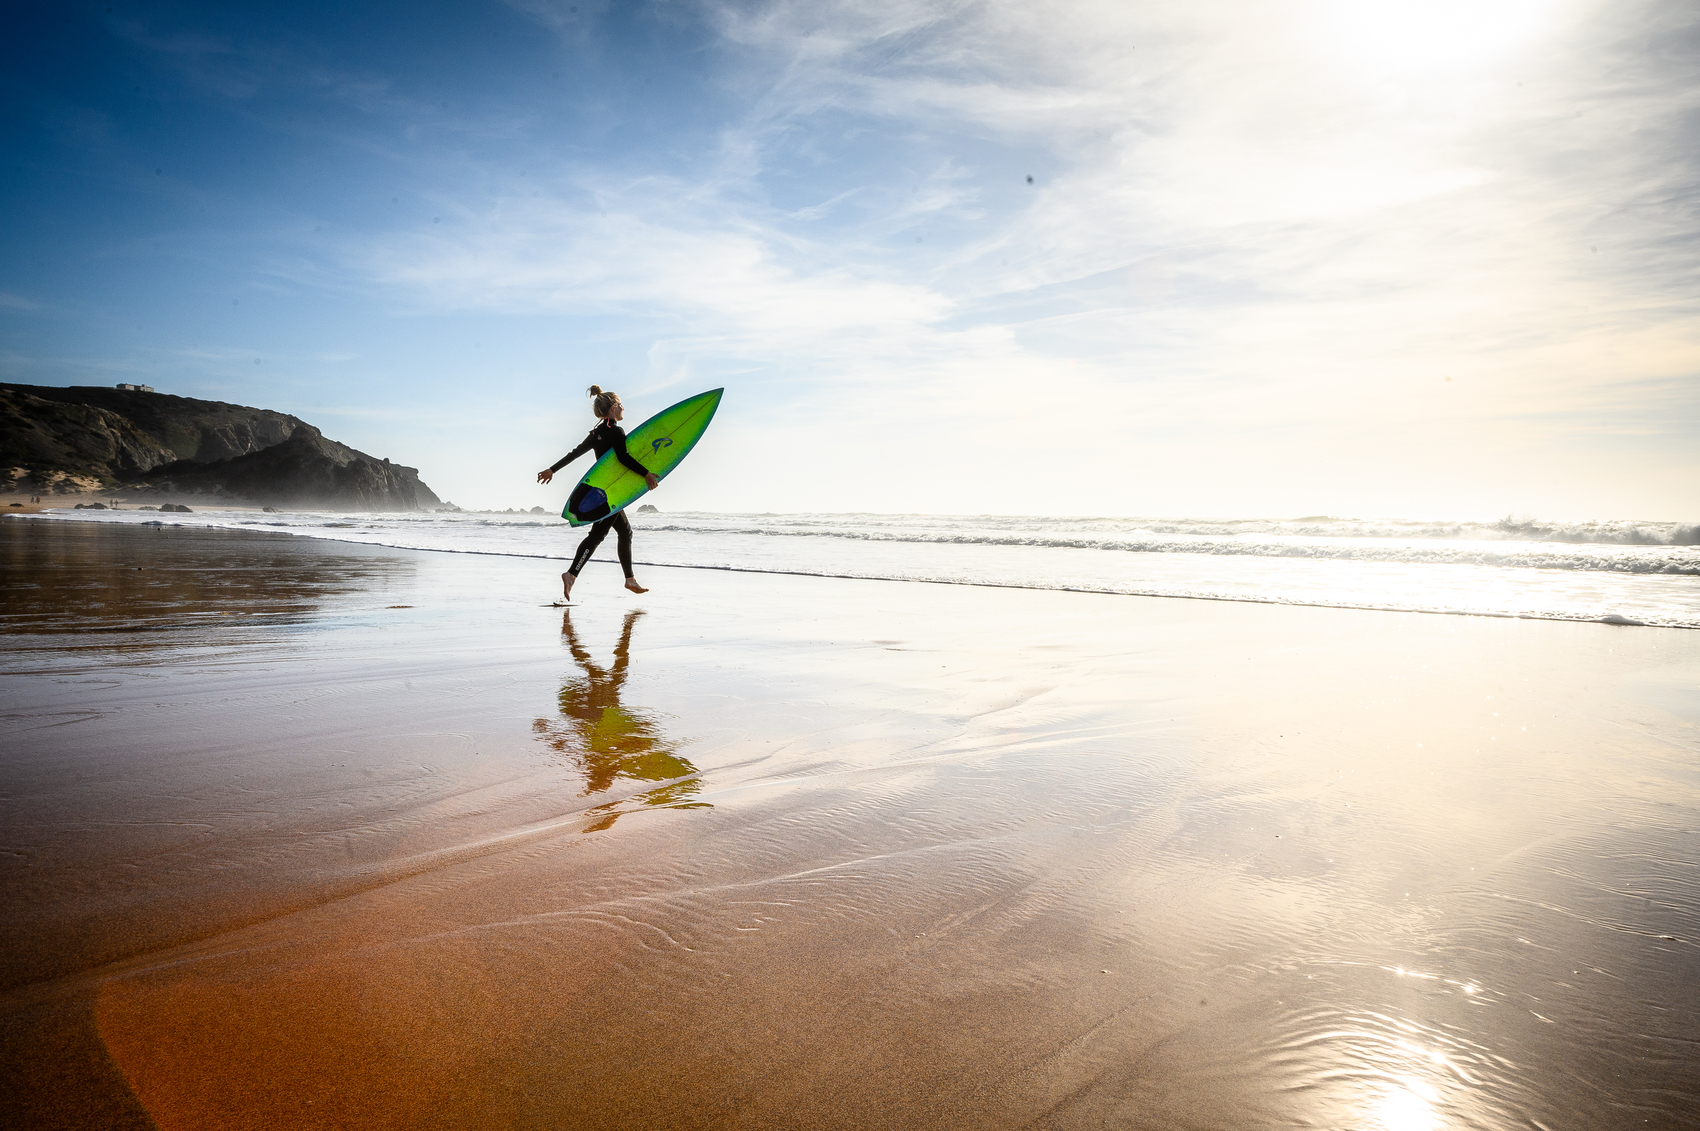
[659, 443]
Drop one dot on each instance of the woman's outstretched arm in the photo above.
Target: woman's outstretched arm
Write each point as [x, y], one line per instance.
[549, 473]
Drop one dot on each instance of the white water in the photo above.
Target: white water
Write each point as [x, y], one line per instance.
[1643, 572]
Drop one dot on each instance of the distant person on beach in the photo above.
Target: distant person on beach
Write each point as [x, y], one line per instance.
[607, 434]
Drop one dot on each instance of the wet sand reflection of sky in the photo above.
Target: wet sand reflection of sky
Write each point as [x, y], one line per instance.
[608, 741]
[115, 590]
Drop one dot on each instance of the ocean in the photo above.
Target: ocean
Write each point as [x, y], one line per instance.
[1640, 573]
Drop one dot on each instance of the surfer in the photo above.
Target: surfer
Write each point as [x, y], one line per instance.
[607, 434]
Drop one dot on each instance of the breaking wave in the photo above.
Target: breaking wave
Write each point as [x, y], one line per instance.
[1620, 572]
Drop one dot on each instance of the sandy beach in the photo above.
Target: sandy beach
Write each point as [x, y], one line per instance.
[310, 834]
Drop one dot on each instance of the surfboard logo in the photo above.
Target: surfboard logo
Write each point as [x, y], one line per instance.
[661, 442]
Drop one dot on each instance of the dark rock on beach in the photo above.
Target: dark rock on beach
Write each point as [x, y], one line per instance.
[308, 471]
[91, 439]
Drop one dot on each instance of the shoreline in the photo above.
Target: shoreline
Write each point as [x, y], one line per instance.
[1614, 620]
[69, 502]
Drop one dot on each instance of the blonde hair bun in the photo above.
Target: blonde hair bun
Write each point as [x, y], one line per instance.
[604, 402]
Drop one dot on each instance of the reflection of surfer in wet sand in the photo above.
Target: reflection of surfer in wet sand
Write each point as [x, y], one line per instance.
[607, 741]
[606, 435]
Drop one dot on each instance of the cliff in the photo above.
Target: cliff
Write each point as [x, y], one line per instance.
[304, 471]
[100, 439]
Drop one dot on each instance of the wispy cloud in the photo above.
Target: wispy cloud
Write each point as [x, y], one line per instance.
[1279, 217]
[645, 249]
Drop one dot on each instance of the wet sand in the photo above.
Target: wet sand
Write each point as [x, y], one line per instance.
[308, 834]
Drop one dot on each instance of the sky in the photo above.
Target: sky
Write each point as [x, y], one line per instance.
[1262, 258]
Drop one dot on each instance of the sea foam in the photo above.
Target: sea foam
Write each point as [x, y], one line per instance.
[1614, 571]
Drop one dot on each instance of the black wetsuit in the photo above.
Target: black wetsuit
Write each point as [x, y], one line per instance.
[604, 436]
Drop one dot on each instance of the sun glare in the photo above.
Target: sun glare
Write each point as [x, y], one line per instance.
[1412, 35]
[1409, 1108]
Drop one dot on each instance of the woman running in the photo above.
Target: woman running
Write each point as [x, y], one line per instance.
[607, 434]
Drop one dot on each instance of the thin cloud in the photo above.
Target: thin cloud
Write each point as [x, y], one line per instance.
[1327, 196]
[632, 256]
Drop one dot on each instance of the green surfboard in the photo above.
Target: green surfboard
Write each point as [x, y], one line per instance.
[659, 443]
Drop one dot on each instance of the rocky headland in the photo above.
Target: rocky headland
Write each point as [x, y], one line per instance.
[89, 441]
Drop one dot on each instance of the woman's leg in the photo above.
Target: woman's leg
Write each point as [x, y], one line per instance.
[593, 539]
[622, 540]
[623, 529]
[598, 531]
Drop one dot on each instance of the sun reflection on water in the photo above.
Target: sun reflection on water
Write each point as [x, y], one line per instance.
[1411, 1064]
[1408, 1107]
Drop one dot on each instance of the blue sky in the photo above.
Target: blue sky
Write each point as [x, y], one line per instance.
[1427, 258]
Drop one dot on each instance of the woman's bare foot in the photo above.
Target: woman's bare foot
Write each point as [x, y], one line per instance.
[567, 580]
[631, 583]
